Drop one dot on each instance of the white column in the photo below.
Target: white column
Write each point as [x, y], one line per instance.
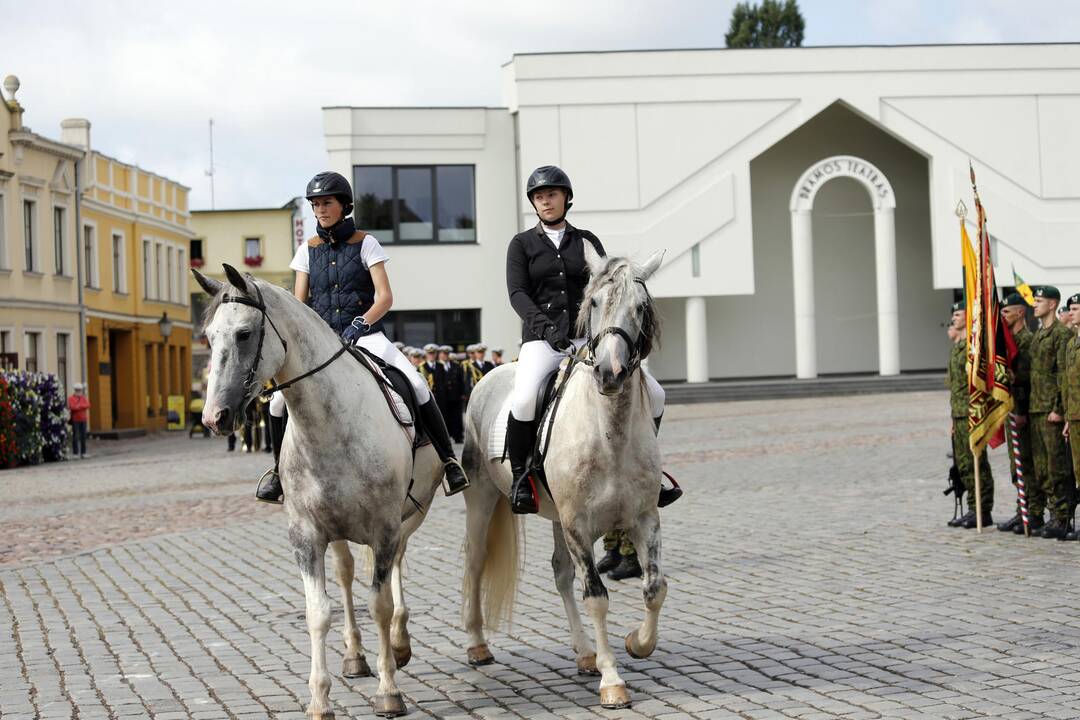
[697, 341]
[802, 263]
[888, 315]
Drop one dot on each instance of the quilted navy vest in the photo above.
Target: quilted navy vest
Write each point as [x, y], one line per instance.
[340, 286]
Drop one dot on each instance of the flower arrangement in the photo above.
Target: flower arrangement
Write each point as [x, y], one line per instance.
[8, 451]
[33, 419]
[197, 262]
[253, 260]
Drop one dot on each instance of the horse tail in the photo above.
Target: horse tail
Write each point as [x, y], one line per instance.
[502, 565]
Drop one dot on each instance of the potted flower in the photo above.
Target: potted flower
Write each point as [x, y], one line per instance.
[197, 262]
[253, 260]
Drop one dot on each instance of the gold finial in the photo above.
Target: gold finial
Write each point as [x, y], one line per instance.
[961, 210]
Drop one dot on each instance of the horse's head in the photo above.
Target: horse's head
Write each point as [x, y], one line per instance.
[618, 316]
[245, 349]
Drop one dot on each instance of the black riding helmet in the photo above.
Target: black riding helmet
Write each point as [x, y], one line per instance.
[331, 184]
[549, 176]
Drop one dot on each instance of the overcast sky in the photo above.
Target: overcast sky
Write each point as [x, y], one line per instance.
[149, 75]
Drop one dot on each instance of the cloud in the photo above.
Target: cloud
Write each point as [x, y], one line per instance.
[149, 76]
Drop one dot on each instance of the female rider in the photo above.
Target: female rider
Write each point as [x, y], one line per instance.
[341, 273]
[546, 275]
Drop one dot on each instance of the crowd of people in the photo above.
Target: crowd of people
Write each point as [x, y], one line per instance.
[1046, 406]
[451, 376]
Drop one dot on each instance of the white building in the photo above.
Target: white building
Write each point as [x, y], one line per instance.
[724, 158]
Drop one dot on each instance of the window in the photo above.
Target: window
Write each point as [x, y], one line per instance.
[58, 239]
[158, 271]
[196, 250]
[417, 203]
[119, 264]
[180, 273]
[33, 350]
[146, 269]
[3, 236]
[62, 344]
[252, 247]
[419, 327]
[28, 234]
[89, 257]
[169, 258]
[9, 359]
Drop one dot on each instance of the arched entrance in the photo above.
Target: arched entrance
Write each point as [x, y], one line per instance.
[802, 244]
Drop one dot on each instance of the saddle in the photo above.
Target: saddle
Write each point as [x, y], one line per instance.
[545, 397]
[392, 380]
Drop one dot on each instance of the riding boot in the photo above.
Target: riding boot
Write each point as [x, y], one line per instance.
[440, 439]
[269, 489]
[668, 495]
[524, 498]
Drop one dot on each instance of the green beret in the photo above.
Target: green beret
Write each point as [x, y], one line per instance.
[1048, 291]
[1073, 300]
[1013, 299]
[959, 305]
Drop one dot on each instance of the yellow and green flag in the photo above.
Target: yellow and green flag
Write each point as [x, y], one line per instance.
[1023, 288]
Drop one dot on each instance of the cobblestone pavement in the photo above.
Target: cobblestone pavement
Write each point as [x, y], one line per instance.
[811, 576]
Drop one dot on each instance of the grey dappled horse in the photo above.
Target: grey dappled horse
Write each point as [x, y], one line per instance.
[346, 466]
[603, 469]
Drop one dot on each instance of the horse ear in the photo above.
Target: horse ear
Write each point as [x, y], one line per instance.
[211, 286]
[652, 264]
[235, 278]
[593, 259]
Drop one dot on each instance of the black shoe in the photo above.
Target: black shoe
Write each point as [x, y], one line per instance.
[1054, 530]
[524, 495]
[609, 561]
[1035, 525]
[668, 495]
[628, 567]
[455, 479]
[1071, 535]
[959, 522]
[269, 490]
[970, 523]
[1010, 524]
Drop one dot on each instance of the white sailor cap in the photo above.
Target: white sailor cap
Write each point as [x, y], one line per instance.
[480, 347]
[398, 344]
[431, 347]
[445, 348]
[497, 350]
[416, 352]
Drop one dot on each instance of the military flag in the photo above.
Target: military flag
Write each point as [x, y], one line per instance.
[1023, 288]
[971, 270]
[991, 349]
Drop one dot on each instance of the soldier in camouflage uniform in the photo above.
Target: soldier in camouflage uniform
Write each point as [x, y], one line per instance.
[1014, 315]
[1047, 412]
[959, 399]
[621, 560]
[1070, 390]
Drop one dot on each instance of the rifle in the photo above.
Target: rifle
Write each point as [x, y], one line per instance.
[956, 487]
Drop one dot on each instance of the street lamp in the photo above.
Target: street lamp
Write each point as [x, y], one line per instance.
[165, 326]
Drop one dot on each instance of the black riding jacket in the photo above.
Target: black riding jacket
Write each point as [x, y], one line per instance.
[340, 286]
[546, 284]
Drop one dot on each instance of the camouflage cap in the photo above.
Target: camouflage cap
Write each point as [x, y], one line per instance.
[959, 305]
[1013, 299]
[1048, 291]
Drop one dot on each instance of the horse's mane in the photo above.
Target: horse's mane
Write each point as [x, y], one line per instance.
[227, 290]
[621, 275]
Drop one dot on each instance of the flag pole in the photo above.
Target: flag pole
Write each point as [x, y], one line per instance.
[961, 212]
[1021, 492]
[978, 492]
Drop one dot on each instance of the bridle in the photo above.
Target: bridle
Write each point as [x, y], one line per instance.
[637, 347]
[249, 380]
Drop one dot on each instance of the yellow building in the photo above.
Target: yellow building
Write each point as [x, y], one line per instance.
[135, 233]
[39, 289]
[260, 241]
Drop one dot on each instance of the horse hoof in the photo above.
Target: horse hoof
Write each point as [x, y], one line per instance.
[355, 667]
[389, 705]
[636, 653]
[480, 655]
[615, 697]
[586, 665]
[324, 715]
[402, 656]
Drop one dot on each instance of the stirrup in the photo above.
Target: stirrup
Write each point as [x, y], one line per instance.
[668, 495]
[449, 489]
[534, 506]
[274, 477]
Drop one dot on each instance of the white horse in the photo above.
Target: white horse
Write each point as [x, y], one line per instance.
[346, 466]
[603, 471]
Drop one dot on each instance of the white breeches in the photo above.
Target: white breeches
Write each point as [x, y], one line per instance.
[377, 344]
[536, 361]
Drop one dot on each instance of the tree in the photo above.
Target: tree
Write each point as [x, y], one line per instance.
[771, 24]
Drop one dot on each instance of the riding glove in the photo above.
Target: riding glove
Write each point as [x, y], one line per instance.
[358, 328]
[556, 339]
